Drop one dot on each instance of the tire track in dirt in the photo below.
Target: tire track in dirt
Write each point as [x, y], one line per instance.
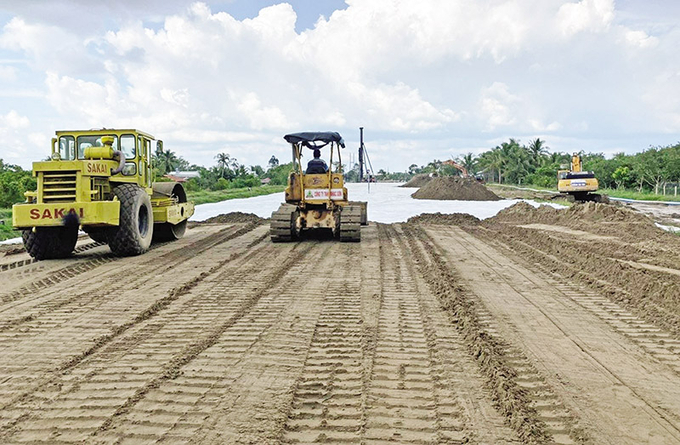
[613, 385]
[241, 386]
[86, 264]
[463, 411]
[663, 344]
[382, 367]
[56, 300]
[173, 368]
[408, 386]
[53, 361]
[84, 380]
[647, 290]
[656, 341]
[516, 386]
[326, 402]
[27, 261]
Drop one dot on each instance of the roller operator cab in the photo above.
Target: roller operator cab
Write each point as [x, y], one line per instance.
[316, 198]
[100, 181]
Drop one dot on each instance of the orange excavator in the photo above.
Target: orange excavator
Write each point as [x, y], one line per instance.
[463, 171]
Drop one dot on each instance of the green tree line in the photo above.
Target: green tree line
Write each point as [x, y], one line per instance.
[14, 181]
[227, 173]
[656, 169]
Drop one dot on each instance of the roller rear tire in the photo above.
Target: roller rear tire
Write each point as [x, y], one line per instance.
[100, 235]
[46, 243]
[135, 230]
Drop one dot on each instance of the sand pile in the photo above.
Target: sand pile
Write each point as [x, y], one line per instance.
[600, 218]
[455, 188]
[454, 219]
[235, 217]
[576, 214]
[418, 180]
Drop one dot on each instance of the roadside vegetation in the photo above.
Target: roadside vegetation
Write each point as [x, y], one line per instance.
[207, 196]
[653, 174]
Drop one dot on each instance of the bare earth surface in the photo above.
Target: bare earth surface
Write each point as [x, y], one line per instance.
[535, 326]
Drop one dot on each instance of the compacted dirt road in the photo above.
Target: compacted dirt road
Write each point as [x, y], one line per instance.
[531, 327]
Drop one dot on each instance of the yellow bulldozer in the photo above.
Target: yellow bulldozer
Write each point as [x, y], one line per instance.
[100, 181]
[316, 198]
[578, 185]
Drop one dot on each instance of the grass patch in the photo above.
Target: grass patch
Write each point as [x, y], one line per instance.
[643, 196]
[614, 193]
[6, 231]
[6, 215]
[208, 196]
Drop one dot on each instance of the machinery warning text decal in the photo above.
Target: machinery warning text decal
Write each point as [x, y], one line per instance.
[323, 194]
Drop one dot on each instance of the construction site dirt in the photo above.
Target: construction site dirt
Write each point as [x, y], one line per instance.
[534, 326]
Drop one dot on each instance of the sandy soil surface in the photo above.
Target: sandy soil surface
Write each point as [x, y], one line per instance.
[535, 326]
[418, 180]
[455, 188]
[663, 213]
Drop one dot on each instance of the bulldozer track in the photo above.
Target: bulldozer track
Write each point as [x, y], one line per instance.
[538, 413]
[281, 225]
[437, 372]
[93, 315]
[350, 223]
[388, 377]
[625, 278]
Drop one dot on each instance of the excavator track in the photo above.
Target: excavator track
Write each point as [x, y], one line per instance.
[282, 224]
[350, 223]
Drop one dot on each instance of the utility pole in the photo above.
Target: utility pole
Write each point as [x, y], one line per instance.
[361, 154]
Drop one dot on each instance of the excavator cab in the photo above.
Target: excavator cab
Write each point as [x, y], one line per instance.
[578, 185]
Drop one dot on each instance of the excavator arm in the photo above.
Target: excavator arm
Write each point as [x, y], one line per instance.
[463, 171]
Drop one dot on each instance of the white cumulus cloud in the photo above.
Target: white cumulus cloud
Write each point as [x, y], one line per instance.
[443, 72]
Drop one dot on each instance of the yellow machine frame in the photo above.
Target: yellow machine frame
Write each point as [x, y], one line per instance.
[80, 181]
[317, 200]
[581, 184]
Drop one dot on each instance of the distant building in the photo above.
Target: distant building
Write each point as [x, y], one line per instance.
[179, 176]
[266, 181]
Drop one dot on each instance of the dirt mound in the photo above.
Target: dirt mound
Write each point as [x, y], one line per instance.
[235, 217]
[11, 249]
[418, 180]
[577, 214]
[454, 219]
[455, 188]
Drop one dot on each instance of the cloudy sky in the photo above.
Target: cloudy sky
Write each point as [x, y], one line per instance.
[428, 79]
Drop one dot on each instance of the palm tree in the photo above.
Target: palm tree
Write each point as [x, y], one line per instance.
[518, 162]
[166, 161]
[538, 150]
[495, 161]
[224, 161]
[469, 161]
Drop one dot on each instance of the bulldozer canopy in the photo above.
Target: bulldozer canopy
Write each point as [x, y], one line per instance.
[315, 139]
